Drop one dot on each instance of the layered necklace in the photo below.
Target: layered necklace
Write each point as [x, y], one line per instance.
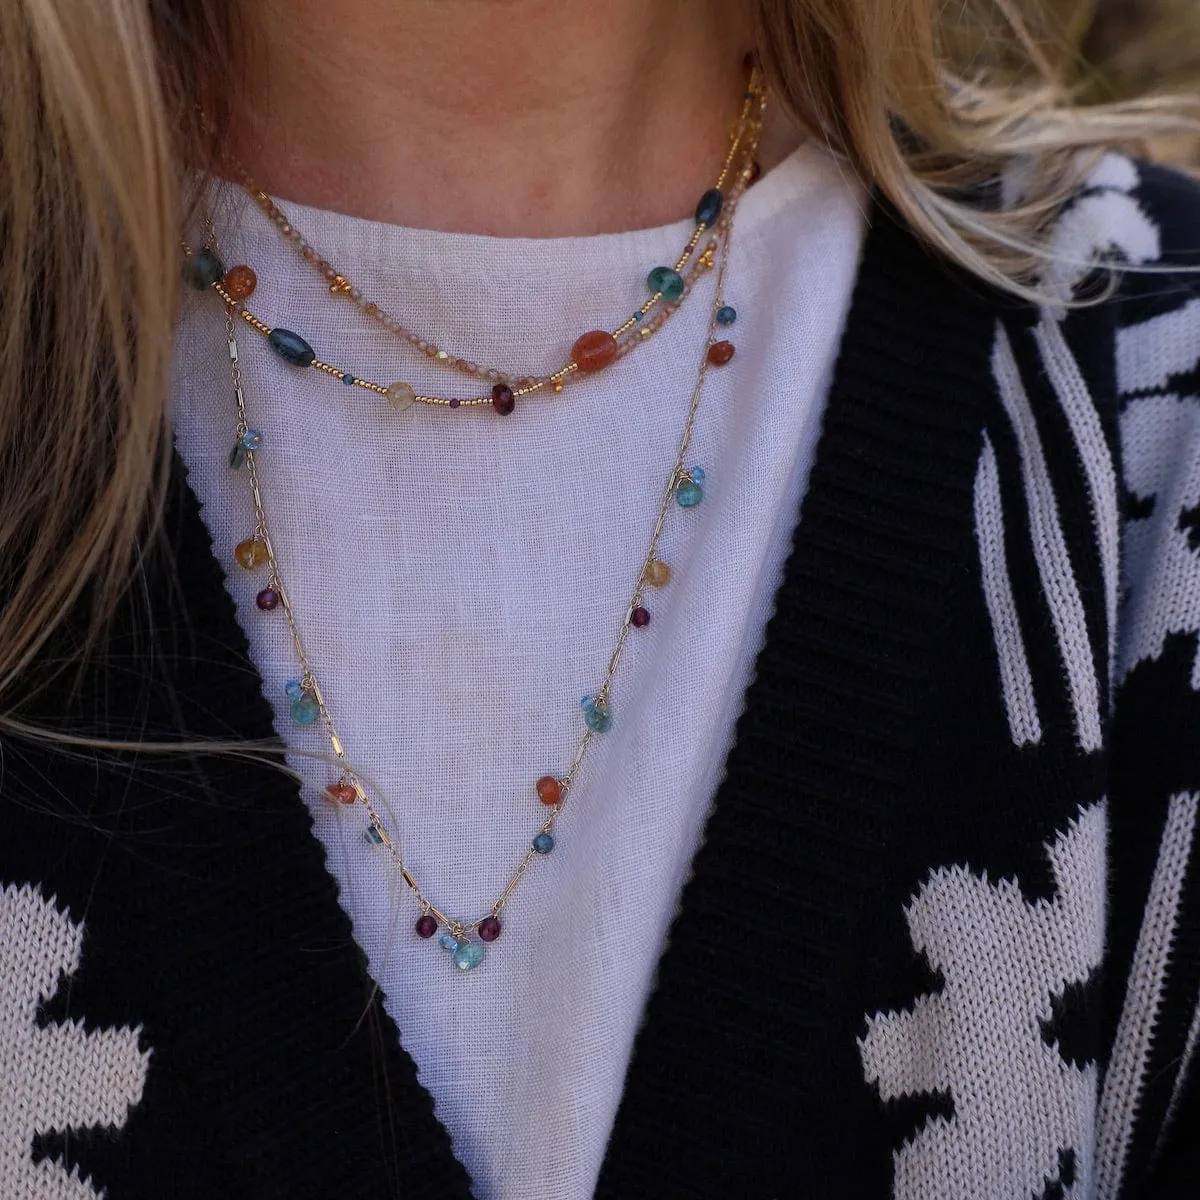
[466, 939]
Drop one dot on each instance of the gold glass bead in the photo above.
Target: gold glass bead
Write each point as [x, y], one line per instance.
[401, 396]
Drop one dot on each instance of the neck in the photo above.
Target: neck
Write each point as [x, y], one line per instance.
[536, 118]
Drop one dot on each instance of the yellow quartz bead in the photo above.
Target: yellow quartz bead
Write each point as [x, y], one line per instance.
[658, 574]
[401, 396]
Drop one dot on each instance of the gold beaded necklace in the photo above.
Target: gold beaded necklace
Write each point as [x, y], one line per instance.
[467, 939]
[592, 352]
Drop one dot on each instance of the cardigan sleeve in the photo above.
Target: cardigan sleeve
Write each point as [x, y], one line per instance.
[1150, 1102]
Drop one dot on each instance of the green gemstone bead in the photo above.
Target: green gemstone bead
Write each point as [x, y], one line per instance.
[305, 709]
[709, 208]
[237, 456]
[688, 494]
[203, 269]
[666, 280]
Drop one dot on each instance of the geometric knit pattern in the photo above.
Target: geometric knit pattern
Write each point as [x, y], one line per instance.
[1020, 1109]
[1025, 1122]
[58, 1077]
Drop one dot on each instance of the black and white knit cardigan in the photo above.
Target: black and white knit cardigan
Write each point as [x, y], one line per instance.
[942, 940]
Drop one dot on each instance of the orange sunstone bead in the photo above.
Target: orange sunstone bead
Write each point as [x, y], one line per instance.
[251, 554]
[719, 353]
[240, 282]
[594, 351]
[548, 790]
[341, 793]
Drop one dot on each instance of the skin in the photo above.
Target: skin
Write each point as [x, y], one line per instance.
[538, 118]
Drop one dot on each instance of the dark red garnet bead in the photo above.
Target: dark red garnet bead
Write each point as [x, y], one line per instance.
[503, 400]
[489, 930]
[639, 618]
[426, 926]
[267, 599]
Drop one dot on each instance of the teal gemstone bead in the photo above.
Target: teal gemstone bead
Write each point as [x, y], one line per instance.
[237, 456]
[348, 379]
[543, 843]
[596, 716]
[667, 281]
[373, 835]
[291, 347]
[203, 269]
[305, 709]
[709, 208]
[726, 314]
[688, 494]
[252, 439]
[469, 955]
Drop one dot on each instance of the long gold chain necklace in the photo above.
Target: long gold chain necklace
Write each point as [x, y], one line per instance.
[592, 351]
[467, 939]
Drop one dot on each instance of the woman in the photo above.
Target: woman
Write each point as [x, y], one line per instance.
[892, 892]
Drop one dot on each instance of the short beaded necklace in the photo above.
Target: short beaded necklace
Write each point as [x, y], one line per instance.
[593, 351]
[467, 940]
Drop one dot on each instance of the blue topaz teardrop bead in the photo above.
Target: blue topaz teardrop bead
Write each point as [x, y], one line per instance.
[697, 475]
[291, 347]
[666, 280]
[688, 494]
[709, 208]
[305, 709]
[252, 439]
[203, 269]
[294, 689]
[726, 314]
[543, 843]
[469, 955]
[448, 942]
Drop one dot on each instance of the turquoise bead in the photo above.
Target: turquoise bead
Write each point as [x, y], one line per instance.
[709, 208]
[203, 269]
[252, 439]
[305, 709]
[469, 955]
[294, 689]
[667, 281]
[373, 835]
[543, 843]
[726, 315]
[237, 456]
[688, 494]
[291, 347]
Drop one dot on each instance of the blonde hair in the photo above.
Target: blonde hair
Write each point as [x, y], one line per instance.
[98, 104]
